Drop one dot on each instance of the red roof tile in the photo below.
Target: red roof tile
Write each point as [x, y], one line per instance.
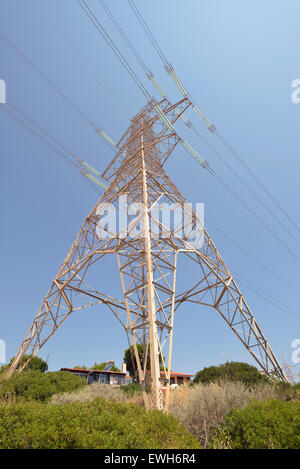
[83, 370]
[175, 373]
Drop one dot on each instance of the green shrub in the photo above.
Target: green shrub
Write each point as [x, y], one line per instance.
[102, 365]
[204, 406]
[231, 371]
[272, 424]
[296, 389]
[100, 423]
[286, 391]
[36, 363]
[38, 386]
[131, 389]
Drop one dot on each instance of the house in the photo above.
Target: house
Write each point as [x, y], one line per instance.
[116, 378]
[119, 378]
[106, 376]
[177, 378]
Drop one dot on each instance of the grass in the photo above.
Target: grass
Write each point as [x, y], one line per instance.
[201, 408]
[88, 393]
[106, 391]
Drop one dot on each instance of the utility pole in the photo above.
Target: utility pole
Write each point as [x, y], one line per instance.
[148, 262]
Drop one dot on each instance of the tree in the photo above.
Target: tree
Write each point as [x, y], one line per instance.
[36, 363]
[98, 366]
[101, 366]
[211, 373]
[129, 359]
[115, 368]
[231, 371]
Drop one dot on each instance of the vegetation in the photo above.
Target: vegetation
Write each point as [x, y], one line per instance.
[231, 371]
[40, 409]
[97, 366]
[36, 363]
[131, 389]
[97, 424]
[129, 359]
[88, 393]
[101, 366]
[272, 424]
[34, 385]
[203, 407]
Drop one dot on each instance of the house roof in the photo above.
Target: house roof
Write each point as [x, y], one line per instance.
[176, 374]
[85, 371]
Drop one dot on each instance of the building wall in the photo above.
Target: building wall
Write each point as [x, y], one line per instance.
[101, 378]
[180, 380]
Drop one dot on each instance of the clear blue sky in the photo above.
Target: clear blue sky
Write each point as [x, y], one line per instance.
[238, 60]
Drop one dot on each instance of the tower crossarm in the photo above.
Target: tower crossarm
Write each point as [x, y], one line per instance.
[163, 139]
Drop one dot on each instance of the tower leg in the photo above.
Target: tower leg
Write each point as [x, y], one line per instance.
[154, 351]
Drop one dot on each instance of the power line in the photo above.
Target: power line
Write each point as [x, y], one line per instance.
[113, 47]
[266, 296]
[121, 31]
[254, 214]
[189, 123]
[73, 160]
[57, 90]
[148, 32]
[166, 121]
[209, 125]
[254, 258]
[248, 187]
[258, 182]
[78, 163]
[47, 80]
[23, 124]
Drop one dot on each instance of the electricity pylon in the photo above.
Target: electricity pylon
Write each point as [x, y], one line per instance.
[147, 250]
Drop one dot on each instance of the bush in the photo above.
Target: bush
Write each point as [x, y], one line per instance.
[88, 393]
[36, 363]
[295, 391]
[102, 365]
[97, 424]
[272, 424]
[202, 407]
[231, 371]
[287, 392]
[38, 386]
[131, 389]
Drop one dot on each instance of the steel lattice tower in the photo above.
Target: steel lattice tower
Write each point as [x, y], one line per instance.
[147, 262]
